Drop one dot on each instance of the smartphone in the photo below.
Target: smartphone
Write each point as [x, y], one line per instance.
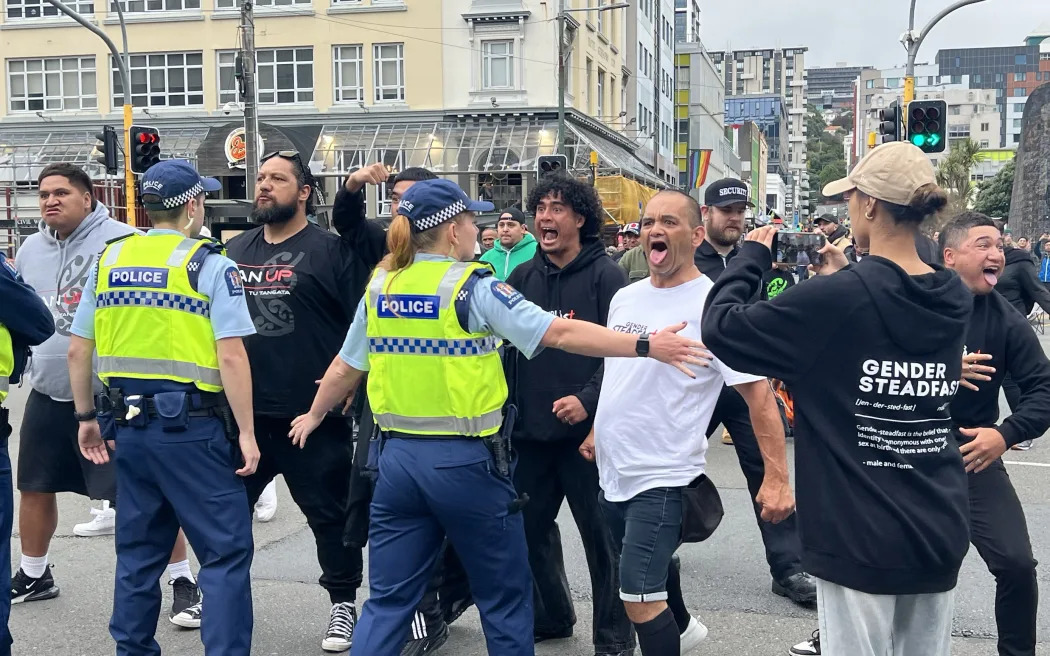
[788, 245]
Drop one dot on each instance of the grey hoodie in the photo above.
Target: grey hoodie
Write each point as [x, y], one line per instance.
[58, 270]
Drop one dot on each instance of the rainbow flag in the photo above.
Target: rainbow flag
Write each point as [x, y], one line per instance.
[699, 161]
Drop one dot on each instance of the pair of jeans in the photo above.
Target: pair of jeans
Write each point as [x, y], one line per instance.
[550, 473]
[781, 541]
[318, 478]
[649, 528]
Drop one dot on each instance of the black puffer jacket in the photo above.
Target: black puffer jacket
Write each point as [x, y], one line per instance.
[1019, 282]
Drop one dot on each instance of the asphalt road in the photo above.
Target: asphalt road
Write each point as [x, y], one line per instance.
[726, 582]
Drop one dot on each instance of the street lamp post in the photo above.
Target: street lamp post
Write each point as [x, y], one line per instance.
[912, 42]
[562, 15]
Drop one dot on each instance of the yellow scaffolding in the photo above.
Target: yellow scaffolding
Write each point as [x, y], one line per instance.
[622, 199]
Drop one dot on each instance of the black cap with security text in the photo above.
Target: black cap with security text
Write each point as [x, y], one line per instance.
[726, 192]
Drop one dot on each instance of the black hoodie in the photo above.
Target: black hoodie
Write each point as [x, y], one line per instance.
[1019, 283]
[881, 489]
[582, 290]
[995, 328]
[712, 263]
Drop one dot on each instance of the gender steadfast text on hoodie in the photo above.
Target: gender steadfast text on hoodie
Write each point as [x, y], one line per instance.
[58, 269]
[881, 488]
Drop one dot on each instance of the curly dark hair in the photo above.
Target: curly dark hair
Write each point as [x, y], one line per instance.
[581, 197]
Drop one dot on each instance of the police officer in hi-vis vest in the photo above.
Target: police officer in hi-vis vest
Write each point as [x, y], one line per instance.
[428, 330]
[24, 321]
[166, 313]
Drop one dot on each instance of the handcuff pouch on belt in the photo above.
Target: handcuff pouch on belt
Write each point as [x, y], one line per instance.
[172, 410]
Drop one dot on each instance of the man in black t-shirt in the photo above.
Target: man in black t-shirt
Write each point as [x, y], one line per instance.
[303, 285]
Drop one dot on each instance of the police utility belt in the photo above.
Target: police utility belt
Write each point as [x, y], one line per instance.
[172, 410]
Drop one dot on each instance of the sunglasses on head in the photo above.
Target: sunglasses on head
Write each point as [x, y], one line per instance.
[284, 154]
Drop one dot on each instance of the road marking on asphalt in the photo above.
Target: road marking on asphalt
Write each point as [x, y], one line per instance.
[1027, 464]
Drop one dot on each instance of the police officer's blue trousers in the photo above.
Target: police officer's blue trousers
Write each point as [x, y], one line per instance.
[7, 512]
[428, 488]
[171, 479]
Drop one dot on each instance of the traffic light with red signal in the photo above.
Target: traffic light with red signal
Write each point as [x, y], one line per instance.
[144, 146]
[926, 125]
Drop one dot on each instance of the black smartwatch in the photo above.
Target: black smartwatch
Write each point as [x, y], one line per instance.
[86, 416]
[641, 347]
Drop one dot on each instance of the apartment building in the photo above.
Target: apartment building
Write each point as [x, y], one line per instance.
[699, 127]
[650, 38]
[686, 20]
[831, 90]
[781, 72]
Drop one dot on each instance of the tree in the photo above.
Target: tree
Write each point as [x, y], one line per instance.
[953, 175]
[993, 196]
[826, 157]
[832, 171]
[844, 120]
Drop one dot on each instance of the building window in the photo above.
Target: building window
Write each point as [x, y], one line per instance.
[389, 71]
[1020, 77]
[601, 95]
[998, 77]
[1019, 107]
[285, 76]
[588, 80]
[956, 79]
[235, 4]
[1017, 123]
[173, 79]
[955, 110]
[1020, 92]
[868, 98]
[601, 17]
[497, 69]
[984, 127]
[1044, 56]
[349, 73]
[1017, 137]
[51, 85]
[29, 9]
[984, 143]
[148, 6]
[1020, 60]
[870, 84]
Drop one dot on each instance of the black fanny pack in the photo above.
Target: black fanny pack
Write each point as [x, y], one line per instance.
[701, 509]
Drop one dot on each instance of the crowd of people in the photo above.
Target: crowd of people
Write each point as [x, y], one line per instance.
[174, 378]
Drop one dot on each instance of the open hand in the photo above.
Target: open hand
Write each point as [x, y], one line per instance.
[569, 410]
[302, 426]
[973, 370]
[89, 437]
[673, 349]
[985, 448]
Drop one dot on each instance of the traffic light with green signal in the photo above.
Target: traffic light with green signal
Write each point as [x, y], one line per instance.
[889, 124]
[145, 147]
[926, 125]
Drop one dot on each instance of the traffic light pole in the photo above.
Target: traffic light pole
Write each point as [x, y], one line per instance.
[912, 42]
[122, 67]
[251, 115]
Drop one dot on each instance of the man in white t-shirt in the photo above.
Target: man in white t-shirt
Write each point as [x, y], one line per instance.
[649, 429]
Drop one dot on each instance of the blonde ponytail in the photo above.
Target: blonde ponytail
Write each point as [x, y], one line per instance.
[399, 243]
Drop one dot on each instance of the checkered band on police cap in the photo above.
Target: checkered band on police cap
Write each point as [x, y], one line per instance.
[436, 219]
[184, 197]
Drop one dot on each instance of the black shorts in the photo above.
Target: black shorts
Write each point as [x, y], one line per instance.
[49, 458]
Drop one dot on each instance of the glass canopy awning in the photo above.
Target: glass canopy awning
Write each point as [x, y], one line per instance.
[472, 146]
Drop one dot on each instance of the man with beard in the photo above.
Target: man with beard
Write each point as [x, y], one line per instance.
[836, 234]
[303, 284]
[57, 262]
[556, 394]
[725, 203]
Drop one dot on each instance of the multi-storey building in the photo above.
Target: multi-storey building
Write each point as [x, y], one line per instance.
[650, 95]
[1011, 72]
[831, 90]
[686, 20]
[781, 72]
[344, 82]
[700, 103]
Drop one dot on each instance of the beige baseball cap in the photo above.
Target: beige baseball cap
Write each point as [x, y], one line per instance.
[891, 172]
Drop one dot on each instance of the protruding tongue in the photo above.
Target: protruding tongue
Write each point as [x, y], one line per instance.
[656, 257]
[990, 278]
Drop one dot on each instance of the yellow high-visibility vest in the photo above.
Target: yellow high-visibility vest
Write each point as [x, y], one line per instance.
[427, 374]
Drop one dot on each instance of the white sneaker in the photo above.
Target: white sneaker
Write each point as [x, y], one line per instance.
[694, 634]
[103, 523]
[266, 506]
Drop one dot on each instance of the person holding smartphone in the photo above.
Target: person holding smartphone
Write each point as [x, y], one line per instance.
[882, 491]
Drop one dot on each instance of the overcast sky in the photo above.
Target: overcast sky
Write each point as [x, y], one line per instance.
[865, 32]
